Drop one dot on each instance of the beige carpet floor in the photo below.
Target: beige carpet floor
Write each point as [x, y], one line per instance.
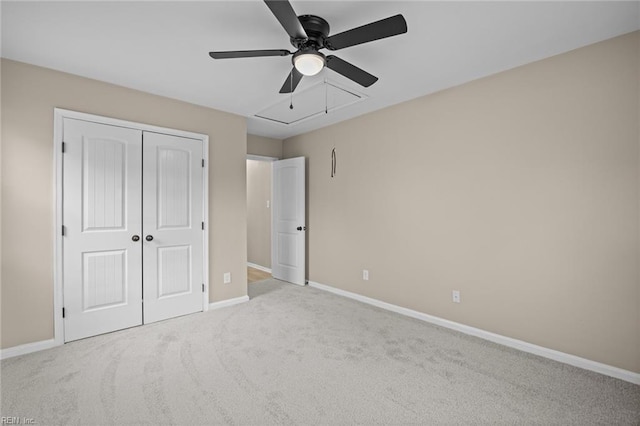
[296, 355]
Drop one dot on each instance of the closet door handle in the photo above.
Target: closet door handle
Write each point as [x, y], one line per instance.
[135, 238]
[149, 238]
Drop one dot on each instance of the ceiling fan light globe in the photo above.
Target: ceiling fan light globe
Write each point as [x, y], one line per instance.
[309, 63]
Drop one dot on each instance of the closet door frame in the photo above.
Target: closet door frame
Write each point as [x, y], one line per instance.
[59, 115]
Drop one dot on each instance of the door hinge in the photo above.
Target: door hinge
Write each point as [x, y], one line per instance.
[63, 313]
[203, 226]
[203, 162]
[203, 287]
[64, 231]
[64, 147]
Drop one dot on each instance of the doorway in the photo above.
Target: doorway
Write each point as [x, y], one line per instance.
[259, 199]
[276, 230]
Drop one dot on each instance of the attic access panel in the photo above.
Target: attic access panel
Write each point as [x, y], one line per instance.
[314, 101]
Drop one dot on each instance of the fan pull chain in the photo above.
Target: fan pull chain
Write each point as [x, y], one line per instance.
[291, 81]
[326, 94]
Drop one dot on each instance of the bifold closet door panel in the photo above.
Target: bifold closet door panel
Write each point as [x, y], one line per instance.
[172, 209]
[102, 217]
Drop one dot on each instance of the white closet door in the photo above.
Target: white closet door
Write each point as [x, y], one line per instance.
[172, 224]
[101, 214]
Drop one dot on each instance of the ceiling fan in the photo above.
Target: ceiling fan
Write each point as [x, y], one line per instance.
[309, 34]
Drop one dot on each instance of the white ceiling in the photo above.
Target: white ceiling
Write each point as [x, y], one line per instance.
[162, 47]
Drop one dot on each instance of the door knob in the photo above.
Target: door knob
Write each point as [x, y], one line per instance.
[135, 238]
[149, 238]
[301, 228]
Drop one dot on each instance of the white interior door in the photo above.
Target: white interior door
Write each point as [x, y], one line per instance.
[173, 226]
[288, 244]
[101, 214]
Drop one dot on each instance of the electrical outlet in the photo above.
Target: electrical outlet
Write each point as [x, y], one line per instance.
[365, 274]
[227, 277]
[268, 204]
[456, 296]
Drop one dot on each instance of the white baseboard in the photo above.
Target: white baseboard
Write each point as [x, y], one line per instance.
[608, 370]
[256, 266]
[228, 302]
[27, 348]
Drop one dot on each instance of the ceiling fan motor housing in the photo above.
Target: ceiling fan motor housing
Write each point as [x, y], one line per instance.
[317, 30]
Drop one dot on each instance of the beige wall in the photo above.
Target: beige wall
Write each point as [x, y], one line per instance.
[29, 95]
[258, 214]
[1, 185]
[521, 190]
[266, 147]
